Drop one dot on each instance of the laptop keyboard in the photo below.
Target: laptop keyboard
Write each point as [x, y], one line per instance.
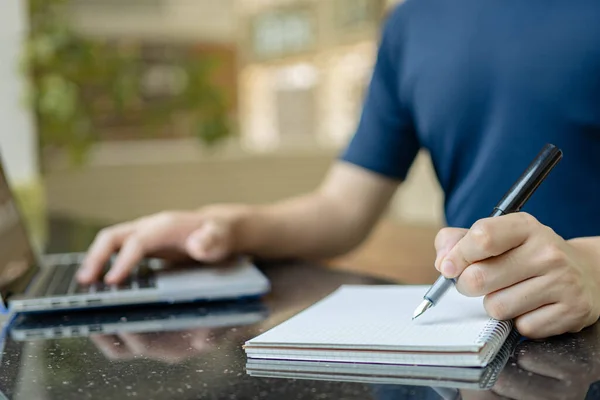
[61, 278]
[64, 282]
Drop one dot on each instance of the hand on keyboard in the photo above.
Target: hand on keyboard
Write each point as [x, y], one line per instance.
[206, 235]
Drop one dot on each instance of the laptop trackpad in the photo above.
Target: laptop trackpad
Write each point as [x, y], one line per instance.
[213, 278]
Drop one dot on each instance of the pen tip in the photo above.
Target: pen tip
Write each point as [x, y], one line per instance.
[424, 306]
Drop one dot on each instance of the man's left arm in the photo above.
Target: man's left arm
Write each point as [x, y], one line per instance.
[526, 272]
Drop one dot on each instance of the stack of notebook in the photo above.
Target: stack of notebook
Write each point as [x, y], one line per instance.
[454, 377]
[372, 325]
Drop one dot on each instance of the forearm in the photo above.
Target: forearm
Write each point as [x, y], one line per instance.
[311, 226]
[328, 222]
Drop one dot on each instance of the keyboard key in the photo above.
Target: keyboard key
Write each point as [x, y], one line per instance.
[124, 286]
[61, 281]
[146, 282]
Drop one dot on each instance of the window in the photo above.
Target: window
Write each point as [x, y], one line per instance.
[108, 7]
[295, 97]
[351, 14]
[296, 113]
[282, 32]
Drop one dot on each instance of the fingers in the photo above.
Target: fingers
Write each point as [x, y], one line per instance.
[209, 243]
[182, 234]
[496, 273]
[445, 240]
[131, 253]
[135, 247]
[546, 321]
[487, 238]
[106, 243]
[521, 298]
[162, 231]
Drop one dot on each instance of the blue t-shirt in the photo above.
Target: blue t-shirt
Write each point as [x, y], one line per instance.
[483, 85]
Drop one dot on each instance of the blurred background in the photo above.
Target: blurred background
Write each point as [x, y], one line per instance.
[113, 109]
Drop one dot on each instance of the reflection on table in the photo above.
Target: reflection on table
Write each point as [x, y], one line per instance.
[169, 333]
[564, 367]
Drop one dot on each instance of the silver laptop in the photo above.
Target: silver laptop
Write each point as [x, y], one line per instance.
[32, 283]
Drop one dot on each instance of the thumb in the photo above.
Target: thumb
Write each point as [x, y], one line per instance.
[207, 243]
[445, 240]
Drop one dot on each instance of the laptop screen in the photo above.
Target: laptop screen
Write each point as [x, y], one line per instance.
[17, 259]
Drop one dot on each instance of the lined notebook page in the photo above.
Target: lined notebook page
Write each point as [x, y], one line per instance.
[380, 317]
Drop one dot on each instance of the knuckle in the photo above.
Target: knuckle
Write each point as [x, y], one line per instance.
[442, 237]
[549, 231]
[496, 308]
[473, 280]
[580, 315]
[443, 233]
[165, 215]
[577, 326]
[525, 327]
[584, 310]
[482, 234]
[527, 219]
[553, 255]
[164, 218]
[136, 244]
[105, 234]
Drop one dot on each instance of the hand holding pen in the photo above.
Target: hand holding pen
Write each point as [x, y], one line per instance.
[525, 270]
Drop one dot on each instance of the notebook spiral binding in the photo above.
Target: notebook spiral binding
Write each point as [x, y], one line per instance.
[493, 335]
[491, 373]
[495, 331]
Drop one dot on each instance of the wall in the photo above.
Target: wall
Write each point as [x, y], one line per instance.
[127, 180]
[156, 19]
[18, 143]
[420, 198]
[124, 181]
[17, 136]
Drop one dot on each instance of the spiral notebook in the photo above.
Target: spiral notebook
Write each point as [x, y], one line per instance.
[373, 324]
[422, 375]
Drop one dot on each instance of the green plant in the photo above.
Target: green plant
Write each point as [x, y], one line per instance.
[80, 85]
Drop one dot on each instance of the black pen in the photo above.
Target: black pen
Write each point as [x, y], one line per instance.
[512, 201]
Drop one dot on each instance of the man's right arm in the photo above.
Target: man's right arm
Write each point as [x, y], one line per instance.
[328, 222]
[324, 223]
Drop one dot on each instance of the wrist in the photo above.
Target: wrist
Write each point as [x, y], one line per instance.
[589, 248]
[246, 229]
[588, 253]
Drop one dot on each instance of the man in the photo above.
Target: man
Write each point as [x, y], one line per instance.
[482, 85]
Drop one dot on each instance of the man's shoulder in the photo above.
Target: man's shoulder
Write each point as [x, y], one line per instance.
[409, 13]
[422, 11]
[411, 8]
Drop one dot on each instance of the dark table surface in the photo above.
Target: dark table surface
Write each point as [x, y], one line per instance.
[182, 359]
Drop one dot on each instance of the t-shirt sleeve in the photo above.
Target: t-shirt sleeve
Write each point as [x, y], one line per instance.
[385, 141]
